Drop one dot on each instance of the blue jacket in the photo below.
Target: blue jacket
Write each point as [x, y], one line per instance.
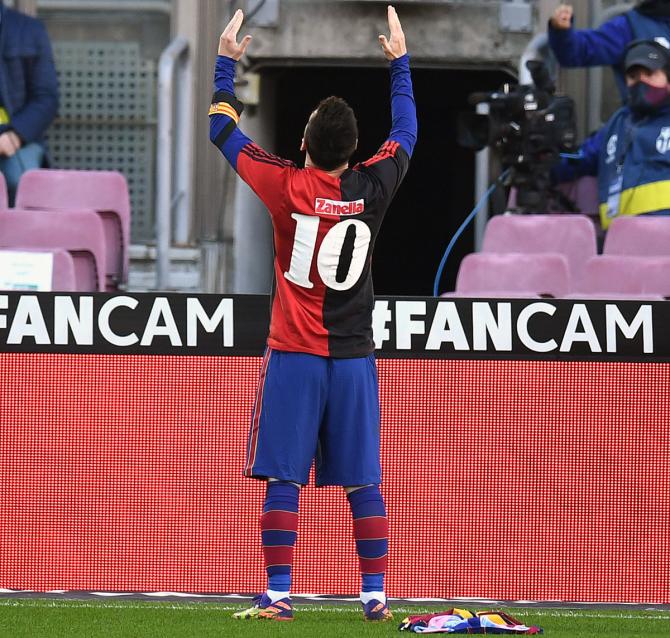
[28, 81]
[606, 45]
[635, 149]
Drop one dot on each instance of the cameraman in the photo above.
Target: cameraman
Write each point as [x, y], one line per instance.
[649, 20]
[631, 154]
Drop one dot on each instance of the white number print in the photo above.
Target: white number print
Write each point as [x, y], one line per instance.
[330, 252]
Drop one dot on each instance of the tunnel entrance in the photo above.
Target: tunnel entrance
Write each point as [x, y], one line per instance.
[437, 193]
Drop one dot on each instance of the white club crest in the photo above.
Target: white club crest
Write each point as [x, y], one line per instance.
[663, 140]
[611, 148]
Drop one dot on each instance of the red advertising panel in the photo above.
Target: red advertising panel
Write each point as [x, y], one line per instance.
[507, 479]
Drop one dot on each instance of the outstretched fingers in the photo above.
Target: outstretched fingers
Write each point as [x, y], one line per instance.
[244, 44]
[233, 27]
[394, 22]
[393, 46]
[228, 45]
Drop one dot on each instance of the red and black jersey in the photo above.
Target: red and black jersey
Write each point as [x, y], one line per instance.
[325, 227]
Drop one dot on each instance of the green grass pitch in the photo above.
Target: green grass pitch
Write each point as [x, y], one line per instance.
[36, 618]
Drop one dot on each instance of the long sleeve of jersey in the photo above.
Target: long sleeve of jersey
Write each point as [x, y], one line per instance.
[265, 172]
[403, 108]
[604, 46]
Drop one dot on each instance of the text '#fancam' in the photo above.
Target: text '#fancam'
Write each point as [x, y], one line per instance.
[237, 325]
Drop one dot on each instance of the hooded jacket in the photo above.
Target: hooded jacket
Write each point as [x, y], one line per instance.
[28, 80]
[631, 157]
[606, 45]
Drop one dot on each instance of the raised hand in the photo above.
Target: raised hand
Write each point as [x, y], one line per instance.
[228, 44]
[395, 46]
[562, 18]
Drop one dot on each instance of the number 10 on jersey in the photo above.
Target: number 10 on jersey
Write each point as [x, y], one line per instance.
[330, 252]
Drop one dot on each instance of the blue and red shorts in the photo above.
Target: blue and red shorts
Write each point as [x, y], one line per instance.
[311, 408]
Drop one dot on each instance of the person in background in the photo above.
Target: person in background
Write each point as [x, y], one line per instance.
[630, 155]
[28, 94]
[318, 395]
[606, 45]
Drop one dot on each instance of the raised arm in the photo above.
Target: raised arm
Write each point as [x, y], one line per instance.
[403, 108]
[263, 171]
[603, 46]
[226, 109]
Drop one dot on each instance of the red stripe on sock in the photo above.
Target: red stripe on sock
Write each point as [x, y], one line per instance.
[278, 519]
[277, 555]
[373, 565]
[371, 527]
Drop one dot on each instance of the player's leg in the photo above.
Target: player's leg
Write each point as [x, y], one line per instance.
[287, 412]
[279, 530]
[281, 446]
[349, 456]
[371, 532]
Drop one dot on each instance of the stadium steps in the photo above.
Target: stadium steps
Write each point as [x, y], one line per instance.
[185, 269]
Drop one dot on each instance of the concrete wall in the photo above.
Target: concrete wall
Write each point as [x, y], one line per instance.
[443, 33]
[446, 35]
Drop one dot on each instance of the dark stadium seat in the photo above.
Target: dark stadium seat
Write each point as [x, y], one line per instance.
[105, 192]
[644, 235]
[571, 235]
[63, 277]
[513, 275]
[624, 277]
[4, 197]
[79, 232]
[584, 193]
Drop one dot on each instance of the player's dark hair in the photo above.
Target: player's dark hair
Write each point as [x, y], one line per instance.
[331, 133]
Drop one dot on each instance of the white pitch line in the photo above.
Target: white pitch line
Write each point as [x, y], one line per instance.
[558, 613]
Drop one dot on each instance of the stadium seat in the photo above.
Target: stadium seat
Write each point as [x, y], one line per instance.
[63, 276]
[573, 236]
[624, 277]
[512, 275]
[79, 232]
[4, 196]
[644, 235]
[105, 192]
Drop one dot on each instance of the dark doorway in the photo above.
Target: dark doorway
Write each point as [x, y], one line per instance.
[438, 192]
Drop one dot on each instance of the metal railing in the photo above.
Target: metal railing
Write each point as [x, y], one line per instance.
[173, 154]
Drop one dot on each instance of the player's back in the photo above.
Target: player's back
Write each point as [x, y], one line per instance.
[325, 228]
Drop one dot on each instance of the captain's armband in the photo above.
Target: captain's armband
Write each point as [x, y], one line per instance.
[224, 103]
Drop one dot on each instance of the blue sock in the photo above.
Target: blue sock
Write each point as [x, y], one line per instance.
[279, 530]
[371, 534]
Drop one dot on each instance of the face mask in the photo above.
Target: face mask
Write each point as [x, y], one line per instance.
[644, 99]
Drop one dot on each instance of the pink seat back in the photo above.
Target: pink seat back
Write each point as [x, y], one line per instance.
[534, 274]
[657, 277]
[105, 192]
[626, 275]
[63, 275]
[79, 232]
[612, 274]
[644, 235]
[4, 195]
[573, 236]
